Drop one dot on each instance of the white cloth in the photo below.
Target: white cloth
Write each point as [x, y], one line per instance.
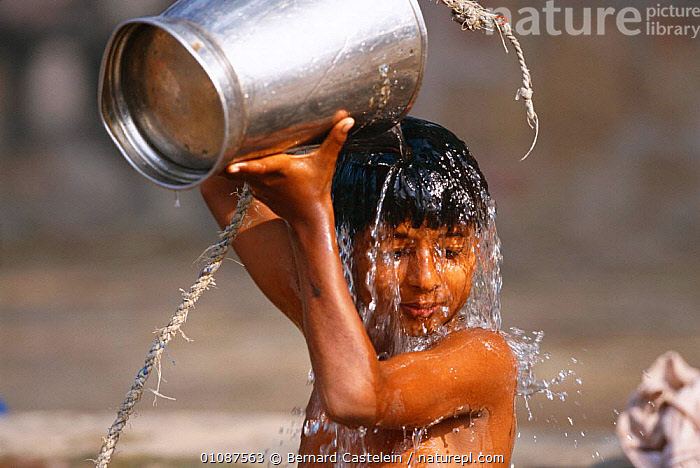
[661, 425]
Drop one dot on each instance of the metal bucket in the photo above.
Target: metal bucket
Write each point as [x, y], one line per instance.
[208, 82]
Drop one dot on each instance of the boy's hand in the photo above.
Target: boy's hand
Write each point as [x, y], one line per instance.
[296, 187]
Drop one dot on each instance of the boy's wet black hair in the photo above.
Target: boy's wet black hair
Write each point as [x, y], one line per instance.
[436, 180]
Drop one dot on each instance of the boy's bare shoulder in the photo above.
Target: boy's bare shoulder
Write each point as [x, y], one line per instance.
[475, 339]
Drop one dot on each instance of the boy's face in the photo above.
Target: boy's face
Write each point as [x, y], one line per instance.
[423, 276]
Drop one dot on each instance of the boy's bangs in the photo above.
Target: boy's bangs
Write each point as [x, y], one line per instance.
[435, 182]
[425, 197]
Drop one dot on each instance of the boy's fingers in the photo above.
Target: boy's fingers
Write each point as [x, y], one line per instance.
[245, 168]
[258, 167]
[336, 139]
[276, 163]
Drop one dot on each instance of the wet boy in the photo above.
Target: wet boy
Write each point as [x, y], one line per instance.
[388, 351]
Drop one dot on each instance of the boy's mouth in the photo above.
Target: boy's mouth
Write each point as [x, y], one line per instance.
[420, 310]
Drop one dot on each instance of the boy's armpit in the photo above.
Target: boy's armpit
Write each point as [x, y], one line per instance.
[469, 370]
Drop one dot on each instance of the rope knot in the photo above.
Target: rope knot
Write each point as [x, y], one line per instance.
[525, 93]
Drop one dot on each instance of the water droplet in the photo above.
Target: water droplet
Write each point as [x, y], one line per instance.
[177, 200]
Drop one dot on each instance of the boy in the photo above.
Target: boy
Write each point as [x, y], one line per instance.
[405, 273]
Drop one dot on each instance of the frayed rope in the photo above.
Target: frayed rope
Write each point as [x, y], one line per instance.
[473, 16]
[215, 256]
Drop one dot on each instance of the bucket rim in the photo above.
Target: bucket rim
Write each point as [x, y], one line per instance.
[120, 124]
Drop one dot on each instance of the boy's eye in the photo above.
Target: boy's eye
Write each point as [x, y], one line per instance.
[452, 253]
[398, 253]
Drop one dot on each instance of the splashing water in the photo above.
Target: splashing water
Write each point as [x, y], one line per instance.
[483, 309]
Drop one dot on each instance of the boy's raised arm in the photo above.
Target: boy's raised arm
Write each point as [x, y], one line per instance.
[262, 244]
[468, 371]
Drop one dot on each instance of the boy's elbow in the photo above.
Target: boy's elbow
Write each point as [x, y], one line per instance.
[216, 192]
[351, 408]
[209, 189]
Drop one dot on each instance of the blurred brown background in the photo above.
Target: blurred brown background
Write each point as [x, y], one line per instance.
[600, 230]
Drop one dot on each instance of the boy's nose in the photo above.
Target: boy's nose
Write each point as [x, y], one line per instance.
[423, 273]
